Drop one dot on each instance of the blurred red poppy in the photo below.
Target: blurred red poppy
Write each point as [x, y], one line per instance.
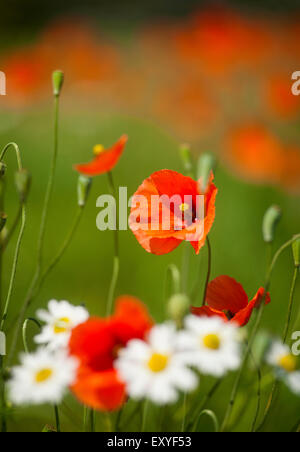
[226, 298]
[174, 199]
[96, 344]
[105, 159]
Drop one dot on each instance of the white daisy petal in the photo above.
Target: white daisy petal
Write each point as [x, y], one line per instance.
[60, 319]
[155, 369]
[42, 377]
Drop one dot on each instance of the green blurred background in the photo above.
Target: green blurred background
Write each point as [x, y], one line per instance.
[83, 275]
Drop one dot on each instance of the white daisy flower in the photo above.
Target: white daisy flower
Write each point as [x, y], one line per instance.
[285, 364]
[154, 369]
[211, 345]
[60, 319]
[42, 377]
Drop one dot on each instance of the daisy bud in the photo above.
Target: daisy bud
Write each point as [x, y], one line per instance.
[206, 164]
[2, 169]
[58, 80]
[3, 218]
[296, 252]
[178, 306]
[185, 154]
[83, 189]
[270, 221]
[22, 181]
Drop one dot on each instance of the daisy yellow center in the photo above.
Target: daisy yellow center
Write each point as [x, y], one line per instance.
[43, 375]
[288, 363]
[98, 149]
[212, 341]
[158, 362]
[184, 206]
[58, 328]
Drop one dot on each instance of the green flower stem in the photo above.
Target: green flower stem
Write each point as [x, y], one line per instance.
[6, 239]
[209, 395]
[208, 270]
[259, 378]
[184, 407]
[116, 260]
[185, 268]
[57, 419]
[49, 188]
[63, 248]
[24, 332]
[12, 278]
[19, 240]
[144, 416]
[285, 334]
[254, 331]
[172, 276]
[290, 308]
[38, 284]
[3, 425]
[42, 230]
[92, 421]
[2, 190]
[212, 416]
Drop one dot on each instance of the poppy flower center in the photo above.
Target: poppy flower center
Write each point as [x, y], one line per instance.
[43, 375]
[116, 350]
[98, 149]
[59, 328]
[184, 207]
[158, 362]
[212, 341]
[288, 363]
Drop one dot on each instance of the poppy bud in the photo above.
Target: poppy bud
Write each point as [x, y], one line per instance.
[83, 189]
[270, 221]
[206, 164]
[296, 252]
[2, 169]
[185, 154]
[3, 218]
[178, 306]
[22, 181]
[58, 80]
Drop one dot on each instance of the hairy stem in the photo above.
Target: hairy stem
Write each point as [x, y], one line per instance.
[254, 331]
[290, 308]
[208, 270]
[116, 260]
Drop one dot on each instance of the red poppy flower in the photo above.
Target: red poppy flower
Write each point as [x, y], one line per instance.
[165, 212]
[96, 344]
[226, 298]
[105, 159]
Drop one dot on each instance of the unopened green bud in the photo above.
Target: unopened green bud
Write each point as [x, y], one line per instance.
[22, 181]
[178, 306]
[296, 252]
[270, 221]
[2, 169]
[83, 189]
[58, 81]
[186, 157]
[3, 219]
[206, 164]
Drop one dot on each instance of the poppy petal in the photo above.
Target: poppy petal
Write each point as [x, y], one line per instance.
[102, 391]
[105, 161]
[151, 233]
[131, 319]
[243, 316]
[92, 342]
[206, 311]
[226, 294]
